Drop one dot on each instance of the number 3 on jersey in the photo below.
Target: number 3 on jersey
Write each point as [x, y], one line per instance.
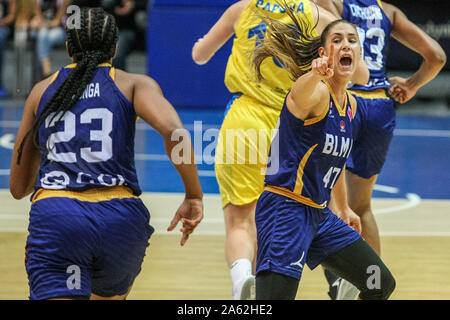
[374, 58]
[69, 133]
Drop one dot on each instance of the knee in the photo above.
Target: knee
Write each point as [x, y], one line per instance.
[390, 287]
[275, 286]
[381, 290]
[240, 215]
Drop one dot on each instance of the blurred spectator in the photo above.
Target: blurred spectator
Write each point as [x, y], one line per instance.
[49, 23]
[6, 19]
[131, 18]
[24, 11]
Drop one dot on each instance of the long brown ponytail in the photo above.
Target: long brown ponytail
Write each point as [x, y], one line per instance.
[292, 44]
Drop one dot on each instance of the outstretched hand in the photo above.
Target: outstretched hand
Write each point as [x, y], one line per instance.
[190, 213]
[401, 91]
[323, 66]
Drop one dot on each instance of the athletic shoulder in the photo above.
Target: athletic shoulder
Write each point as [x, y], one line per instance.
[241, 5]
[43, 84]
[390, 10]
[151, 82]
[147, 81]
[235, 11]
[38, 90]
[129, 82]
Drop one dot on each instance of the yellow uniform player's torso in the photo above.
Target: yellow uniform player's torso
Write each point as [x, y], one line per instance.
[240, 75]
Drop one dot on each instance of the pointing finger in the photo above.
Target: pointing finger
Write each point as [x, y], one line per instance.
[331, 56]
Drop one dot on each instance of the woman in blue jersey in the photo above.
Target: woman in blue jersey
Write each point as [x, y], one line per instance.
[294, 224]
[254, 106]
[88, 229]
[377, 21]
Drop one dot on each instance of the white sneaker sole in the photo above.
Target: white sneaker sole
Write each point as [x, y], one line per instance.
[248, 289]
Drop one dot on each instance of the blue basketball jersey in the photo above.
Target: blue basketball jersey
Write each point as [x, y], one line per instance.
[307, 156]
[92, 146]
[374, 29]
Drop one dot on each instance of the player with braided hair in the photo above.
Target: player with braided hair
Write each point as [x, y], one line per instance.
[74, 153]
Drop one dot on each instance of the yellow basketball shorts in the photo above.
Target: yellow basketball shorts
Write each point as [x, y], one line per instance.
[242, 150]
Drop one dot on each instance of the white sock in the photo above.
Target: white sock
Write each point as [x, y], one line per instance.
[240, 269]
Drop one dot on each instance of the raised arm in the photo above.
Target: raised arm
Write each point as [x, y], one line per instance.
[153, 108]
[309, 95]
[333, 6]
[205, 48]
[410, 35]
[11, 16]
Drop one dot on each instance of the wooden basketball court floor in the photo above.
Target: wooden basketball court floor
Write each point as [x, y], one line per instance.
[415, 237]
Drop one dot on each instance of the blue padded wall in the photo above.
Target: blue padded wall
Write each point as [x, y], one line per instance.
[172, 32]
[175, 25]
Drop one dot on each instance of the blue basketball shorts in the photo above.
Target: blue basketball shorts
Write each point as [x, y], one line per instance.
[373, 127]
[292, 234]
[75, 248]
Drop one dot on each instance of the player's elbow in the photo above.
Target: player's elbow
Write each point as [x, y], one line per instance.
[172, 132]
[177, 142]
[18, 196]
[199, 58]
[19, 186]
[441, 57]
[17, 192]
[438, 57]
[200, 54]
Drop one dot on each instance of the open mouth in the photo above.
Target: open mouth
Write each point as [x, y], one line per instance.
[345, 61]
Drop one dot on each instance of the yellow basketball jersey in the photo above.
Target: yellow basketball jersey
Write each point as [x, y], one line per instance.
[240, 75]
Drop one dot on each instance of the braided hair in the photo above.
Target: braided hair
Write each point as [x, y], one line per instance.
[91, 44]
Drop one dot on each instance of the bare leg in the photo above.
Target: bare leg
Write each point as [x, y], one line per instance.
[240, 231]
[359, 192]
[240, 248]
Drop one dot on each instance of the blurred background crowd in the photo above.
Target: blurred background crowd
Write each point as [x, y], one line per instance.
[32, 29]
[158, 36]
